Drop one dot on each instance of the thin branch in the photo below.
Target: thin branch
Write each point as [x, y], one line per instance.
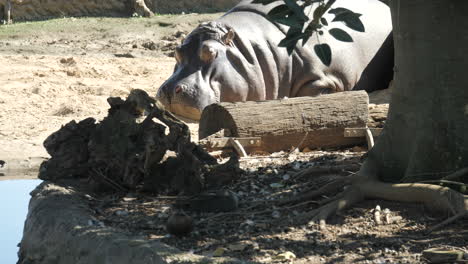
[448, 221]
[300, 143]
[110, 182]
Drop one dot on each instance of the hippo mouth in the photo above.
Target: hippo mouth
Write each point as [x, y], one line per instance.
[185, 111]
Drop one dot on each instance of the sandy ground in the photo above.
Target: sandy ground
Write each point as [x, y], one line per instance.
[54, 72]
[39, 93]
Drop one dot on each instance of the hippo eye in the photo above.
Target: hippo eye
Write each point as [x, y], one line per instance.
[207, 54]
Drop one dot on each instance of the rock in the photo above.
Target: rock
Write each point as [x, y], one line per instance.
[150, 45]
[288, 255]
[218, 252]
[125, 55]
[179, 224]
[121, 213]
[276, 214]
[439, 255]
[240, 246]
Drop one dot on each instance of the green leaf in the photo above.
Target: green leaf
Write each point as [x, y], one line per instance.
[324, 53]
[351, 20]
[279, 11]
[339, 10]
[292, 37]
[263, 2]
[305, 38]
[324, 21]
[290, 40]
[290, 21]
[340, 35]
[298, 11]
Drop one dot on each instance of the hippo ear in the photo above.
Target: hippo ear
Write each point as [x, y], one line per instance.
[229, 37]
[178, 54]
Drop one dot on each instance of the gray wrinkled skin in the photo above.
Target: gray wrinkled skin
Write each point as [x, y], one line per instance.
[236, 58]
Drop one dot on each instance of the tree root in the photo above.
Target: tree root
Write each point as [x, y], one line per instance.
[326, 189]
[318, 171]
[340, 202]
[365, 185]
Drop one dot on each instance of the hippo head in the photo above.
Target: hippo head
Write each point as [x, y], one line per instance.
[203, 74]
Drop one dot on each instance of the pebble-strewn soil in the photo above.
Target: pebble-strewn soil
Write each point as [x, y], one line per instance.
[260, 231]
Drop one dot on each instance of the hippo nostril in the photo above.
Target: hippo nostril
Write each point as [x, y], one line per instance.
[179, 88]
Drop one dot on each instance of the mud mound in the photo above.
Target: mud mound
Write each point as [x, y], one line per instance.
[124, 153]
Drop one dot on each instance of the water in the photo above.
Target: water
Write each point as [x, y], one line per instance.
[14, 200]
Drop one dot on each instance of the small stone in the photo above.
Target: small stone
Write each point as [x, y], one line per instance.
[255, 246]
[121, 213]
[129, 199]
[218, 252]
[163, 215]
[249, 222]
[306, 149]
[288, 255]
[276, 214]
[179, 224]
[296, 166]
[276, 185]
[286, 177]
[238, 246]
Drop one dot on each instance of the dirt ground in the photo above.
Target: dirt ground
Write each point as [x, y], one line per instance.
[263, 231]
[58, 70]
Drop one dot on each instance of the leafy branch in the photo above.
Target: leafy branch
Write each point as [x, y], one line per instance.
[302, 27]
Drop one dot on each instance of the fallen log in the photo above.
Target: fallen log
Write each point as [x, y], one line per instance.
[313, 122]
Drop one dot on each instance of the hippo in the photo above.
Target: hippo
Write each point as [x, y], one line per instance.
[236, 58]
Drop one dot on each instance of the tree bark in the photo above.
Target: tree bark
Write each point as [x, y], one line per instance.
[426, 135]
[282, 124]
[8, 12]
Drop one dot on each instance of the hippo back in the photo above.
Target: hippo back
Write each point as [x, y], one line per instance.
[237, 58]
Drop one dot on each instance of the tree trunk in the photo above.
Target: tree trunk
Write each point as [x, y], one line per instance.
[426, 134]
[282, 124]
[8, 12]
[141, 9]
